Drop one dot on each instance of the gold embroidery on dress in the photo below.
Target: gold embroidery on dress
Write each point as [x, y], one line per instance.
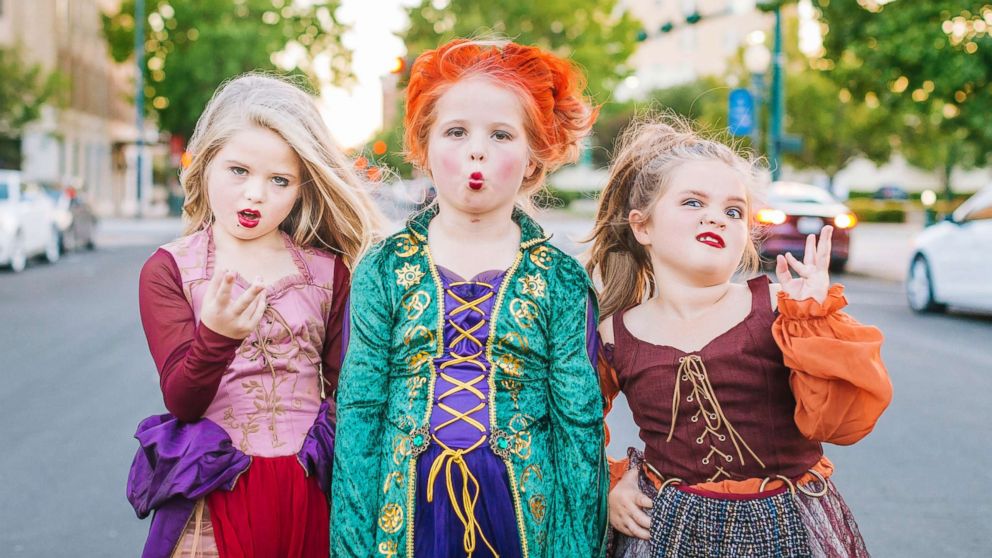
[514, 388]
[513, 337]
[532, 469]
[415, 303]
[532, 284]
[538, 506]
[396, 478]
[692, 371]
[388, 549]
[405, 245]
[413, 386]
[541, 257]
[409, 275]
[391, 518]
[416, 331]
[510, 364]
[524, 312]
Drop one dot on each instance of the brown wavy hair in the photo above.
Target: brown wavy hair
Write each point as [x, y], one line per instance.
[648, 152]
[557, 115]
[334, 211]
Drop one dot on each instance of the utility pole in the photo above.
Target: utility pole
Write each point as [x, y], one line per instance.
[777, 105]
[139, 96]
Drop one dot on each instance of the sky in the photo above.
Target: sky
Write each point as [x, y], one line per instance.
[354, 115]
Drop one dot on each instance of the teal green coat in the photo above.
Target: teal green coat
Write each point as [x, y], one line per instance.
[545, 407]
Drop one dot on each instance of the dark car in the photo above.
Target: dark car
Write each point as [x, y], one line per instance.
[74, 217]
[792, 211]
[891, 192]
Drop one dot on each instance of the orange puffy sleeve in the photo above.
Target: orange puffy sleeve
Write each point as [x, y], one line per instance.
[838, 378]
[610, 386]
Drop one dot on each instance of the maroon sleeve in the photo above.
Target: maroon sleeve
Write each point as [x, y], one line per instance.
[190, 359]
[333, 337]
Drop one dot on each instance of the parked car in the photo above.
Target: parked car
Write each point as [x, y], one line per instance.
[74, 216]
[891, 192]
[951, 263]
[27, 223]
[792, 211]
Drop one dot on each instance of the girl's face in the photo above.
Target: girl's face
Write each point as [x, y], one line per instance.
[478, 154]
[253, 183]
[699, 226]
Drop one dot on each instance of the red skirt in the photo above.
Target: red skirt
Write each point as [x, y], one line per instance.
[273, 511]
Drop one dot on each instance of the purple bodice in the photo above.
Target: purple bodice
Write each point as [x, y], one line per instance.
[460, 411]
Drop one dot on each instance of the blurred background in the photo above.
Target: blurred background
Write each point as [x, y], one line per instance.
[872, 116]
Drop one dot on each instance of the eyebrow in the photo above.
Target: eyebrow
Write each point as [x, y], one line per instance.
[247, 166]
[704, 195]
[462, 122]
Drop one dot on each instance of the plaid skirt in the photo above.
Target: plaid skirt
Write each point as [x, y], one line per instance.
[774, 523]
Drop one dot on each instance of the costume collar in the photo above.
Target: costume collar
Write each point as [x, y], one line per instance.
[531, 234]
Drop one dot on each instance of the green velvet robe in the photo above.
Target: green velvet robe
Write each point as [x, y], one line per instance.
[545, 406]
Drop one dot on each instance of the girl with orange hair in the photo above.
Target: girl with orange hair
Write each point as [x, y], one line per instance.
[469, 415]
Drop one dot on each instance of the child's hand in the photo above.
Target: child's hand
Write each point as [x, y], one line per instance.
[627, 505]
[814, 279]
[234, 319]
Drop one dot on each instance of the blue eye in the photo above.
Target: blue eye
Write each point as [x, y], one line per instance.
[735, 213]
[280, 181]
[238, 171]
[693, 203]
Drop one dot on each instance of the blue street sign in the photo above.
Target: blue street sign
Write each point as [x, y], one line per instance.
[741, 112]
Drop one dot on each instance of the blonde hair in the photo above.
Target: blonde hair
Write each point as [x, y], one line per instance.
[333, 212]
[648, 153]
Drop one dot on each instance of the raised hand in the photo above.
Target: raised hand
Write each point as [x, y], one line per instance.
[814, 277]
[235, 319]
[627, 504]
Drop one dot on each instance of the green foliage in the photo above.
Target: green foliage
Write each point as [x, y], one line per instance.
[192, 46]
[928, 64]
[24, 89]
[596, 34]
[834, 127]
[703, 101]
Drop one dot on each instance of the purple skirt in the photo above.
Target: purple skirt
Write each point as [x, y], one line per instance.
[438, 532]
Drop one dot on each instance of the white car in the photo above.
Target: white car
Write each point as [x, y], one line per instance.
[952, 260]
[27, 223]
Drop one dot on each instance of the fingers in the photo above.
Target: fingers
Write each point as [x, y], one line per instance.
[797, 265]
[809, 256]
[256, 309]
[824, 249]
[782, 270]
[644, 502]
[247, 297]
[223, 293]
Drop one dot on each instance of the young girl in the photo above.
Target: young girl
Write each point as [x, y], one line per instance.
[732, 386]
[470, 421]
[243, 319]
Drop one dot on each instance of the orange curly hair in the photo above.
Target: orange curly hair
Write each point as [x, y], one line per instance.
[557, 115]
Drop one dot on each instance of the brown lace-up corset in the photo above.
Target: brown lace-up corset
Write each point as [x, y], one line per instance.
[723, 412]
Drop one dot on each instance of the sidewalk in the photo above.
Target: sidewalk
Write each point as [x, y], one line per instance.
[114, 232]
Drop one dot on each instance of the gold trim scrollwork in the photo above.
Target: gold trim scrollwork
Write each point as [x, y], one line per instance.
[538, 507]
[541, 257]
[391, 518]
[415, 303]
[532, 469]
[406, 246]
[388, 549]
[533, 285]
[409, 275]
[524, 312]
[415, 331]
[396, 478]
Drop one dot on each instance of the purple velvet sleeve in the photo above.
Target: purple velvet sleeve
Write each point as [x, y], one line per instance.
[592, 335]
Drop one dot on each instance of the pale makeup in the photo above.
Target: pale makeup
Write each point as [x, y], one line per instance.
[698, 228]
[478, 152]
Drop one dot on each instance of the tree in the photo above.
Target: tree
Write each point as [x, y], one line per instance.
[24, 89]
[835, 128]
[192, 46]
[928, 64]
[703, 101]
[596, 34]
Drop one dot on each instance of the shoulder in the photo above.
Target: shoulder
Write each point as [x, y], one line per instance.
[605, 330]
[559, 265]
[161, 265]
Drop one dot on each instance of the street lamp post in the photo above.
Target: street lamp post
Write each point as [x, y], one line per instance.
[777, 107]
[756, 59]
[139, 96]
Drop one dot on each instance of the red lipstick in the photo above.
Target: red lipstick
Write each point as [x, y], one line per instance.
[476, 180]
[249, 218]
[711, 239]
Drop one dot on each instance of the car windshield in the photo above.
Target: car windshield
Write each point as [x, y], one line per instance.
[793, 194]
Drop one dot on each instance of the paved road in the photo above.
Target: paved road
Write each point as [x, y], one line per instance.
[77, 378]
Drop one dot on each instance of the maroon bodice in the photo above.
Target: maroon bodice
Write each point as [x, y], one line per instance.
[733, 407]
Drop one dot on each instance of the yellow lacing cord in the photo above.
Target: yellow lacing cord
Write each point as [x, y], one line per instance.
[469, 496]
[691, 368]
[455, 458]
